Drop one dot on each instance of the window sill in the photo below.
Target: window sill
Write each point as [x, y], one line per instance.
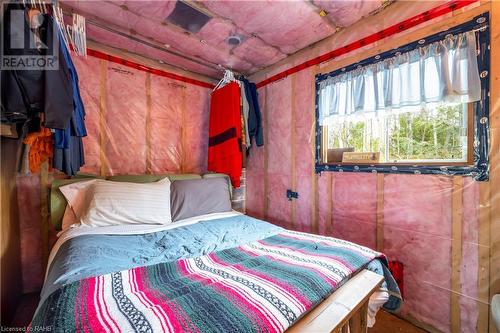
[408, 164]
[456, 169]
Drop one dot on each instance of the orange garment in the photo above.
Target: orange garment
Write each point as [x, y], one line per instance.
[41, 148]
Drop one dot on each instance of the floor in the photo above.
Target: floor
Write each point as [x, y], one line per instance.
[386, 323]
[25, 310]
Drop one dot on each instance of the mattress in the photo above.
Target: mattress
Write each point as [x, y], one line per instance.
[84, 254]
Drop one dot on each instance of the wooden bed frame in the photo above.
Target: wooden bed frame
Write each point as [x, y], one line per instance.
[345, 311]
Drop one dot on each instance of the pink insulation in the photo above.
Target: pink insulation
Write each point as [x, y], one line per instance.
[269, 29]
[279, 24]
[279, 167]
[125, 120]
[255, 175]
[417, 232]
[355, 207]
[196, 118]
[88, 72]
[304, 150]
[344, 13]
[161, 129]
[167, 101]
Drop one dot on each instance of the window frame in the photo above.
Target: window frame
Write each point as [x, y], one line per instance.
[477, 164]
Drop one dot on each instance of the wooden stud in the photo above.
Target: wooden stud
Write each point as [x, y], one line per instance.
[293, 147]
[483, 287]
[314, 176]
[456, 251]
[102, 116]
[266, 152]
[494, 76]
[379, 240]
[184, 131]
[44, 210]
[148, 124]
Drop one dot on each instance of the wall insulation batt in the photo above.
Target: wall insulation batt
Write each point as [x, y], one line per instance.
[437, 226]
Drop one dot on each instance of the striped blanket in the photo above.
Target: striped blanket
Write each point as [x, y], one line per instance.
[261, 286]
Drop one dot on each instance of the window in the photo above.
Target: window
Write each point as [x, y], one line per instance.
[440, 133]
[421, 108]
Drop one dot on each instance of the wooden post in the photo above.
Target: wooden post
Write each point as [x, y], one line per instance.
[483, 278]
[293, 143]
[456, 252]
[44, 210]
[148, 124]
[494, 75]
[102, 116]
[265, 110]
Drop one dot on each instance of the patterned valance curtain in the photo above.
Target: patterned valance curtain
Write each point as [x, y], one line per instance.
[443, 71]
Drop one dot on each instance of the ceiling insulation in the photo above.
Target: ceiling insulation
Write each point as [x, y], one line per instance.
[197, 33]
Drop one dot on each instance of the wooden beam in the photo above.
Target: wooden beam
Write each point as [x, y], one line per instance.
[483, 274]
[265, 110]
[44, 210]
[103, 107]
[314, 176]
[148, 124]
[456, 251]
[494, 153]
[379, 241]
[293, 147]
[184, 133]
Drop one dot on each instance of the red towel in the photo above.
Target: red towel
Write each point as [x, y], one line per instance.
[224, 148]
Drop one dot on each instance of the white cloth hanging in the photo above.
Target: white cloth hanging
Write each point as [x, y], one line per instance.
[443, 71]
[246, 110]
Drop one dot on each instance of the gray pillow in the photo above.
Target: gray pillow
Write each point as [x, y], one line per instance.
[194, 197]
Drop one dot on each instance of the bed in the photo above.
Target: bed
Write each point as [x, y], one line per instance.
[218, 272]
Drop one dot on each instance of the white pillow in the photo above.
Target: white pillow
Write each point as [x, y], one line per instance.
[75, 194]
[69, 218]
[99, 203]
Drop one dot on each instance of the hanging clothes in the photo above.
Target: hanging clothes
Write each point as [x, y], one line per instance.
[224, 148]
[40, 148]
[245, 110]
[28, 93]
[254, 115]
[68, 145]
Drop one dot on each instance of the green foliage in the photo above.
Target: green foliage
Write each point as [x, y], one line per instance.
[437, 134]
[427, 135]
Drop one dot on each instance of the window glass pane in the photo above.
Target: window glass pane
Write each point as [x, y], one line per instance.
[436, 133]
[433, 133]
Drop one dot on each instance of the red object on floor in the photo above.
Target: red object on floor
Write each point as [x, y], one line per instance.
[397, 270]
[224, 148]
